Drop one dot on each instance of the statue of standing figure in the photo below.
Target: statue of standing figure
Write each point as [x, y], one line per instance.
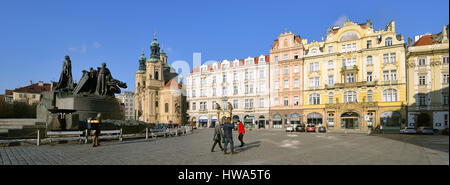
[106, 84]
[65, 80]
[103, 76]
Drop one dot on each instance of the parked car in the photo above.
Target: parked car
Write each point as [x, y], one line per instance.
[300, 128]
[310, 128]
[322, 129]
[425, 130]
[289, 129]
[407, 130]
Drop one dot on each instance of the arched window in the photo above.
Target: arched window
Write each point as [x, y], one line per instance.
[350, 96]
[166, 107]
[390, 95]
[330, 98]
[388, 41]
[369, 60]
[314, 99]
[369, 96]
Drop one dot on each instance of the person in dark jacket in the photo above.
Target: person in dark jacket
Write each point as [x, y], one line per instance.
[217, 138]
[241, 133]
[96, 126]
[228, 136]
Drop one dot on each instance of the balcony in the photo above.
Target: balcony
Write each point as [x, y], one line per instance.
[390, 82]
[354, 84]
[349, 68]
[362, 104]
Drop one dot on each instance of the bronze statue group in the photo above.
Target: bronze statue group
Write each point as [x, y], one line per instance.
[99, 82]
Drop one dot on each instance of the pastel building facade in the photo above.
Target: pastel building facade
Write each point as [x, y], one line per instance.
[428, 80]
[286, 72]
[355, 78]
[243, 83]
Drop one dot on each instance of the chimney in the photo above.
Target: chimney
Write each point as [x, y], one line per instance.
[31, 82]
[41, 83]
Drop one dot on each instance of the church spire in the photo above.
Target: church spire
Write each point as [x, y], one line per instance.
[142, 60]
[154, 48]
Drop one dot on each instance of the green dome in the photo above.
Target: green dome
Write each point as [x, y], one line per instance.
[155, 43]
[153, 60]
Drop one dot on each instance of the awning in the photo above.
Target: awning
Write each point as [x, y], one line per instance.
[314, 115]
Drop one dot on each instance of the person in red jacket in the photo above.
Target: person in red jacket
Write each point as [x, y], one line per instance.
[241, 133]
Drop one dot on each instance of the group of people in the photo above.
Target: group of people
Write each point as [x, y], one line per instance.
[227, 135]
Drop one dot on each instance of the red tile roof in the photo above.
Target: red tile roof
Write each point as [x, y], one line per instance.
[35, 88]
[424, 40]
[175, 83]
[8, 92]
[275, 43]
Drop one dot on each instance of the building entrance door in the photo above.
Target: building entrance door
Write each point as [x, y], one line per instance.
[350, 120]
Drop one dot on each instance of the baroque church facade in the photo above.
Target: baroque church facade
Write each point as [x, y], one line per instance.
[159, 93]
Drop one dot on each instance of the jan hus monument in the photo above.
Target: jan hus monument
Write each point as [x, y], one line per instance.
[69, 103]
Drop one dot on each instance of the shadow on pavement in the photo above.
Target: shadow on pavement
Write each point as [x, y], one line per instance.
[247, 146]
[434, 142]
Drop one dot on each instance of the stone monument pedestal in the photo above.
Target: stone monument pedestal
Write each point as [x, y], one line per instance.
[90, 105]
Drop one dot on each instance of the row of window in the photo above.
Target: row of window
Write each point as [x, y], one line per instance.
[422, 61]
[235, 63]
[286, 70]
[249, 103]
[423, 99]
[286, 57]
[389, 95]
[352, 46]
[388, 75]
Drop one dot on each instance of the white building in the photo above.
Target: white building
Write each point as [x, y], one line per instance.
[243, 83]
[127, 98]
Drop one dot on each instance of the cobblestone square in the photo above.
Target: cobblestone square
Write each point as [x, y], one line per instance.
[268, 147]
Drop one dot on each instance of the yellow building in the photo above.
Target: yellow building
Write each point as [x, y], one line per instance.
[428, 80]
[355, 78]
[159, 97]
[31, 94]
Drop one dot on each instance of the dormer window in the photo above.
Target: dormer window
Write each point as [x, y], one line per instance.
[248, 61]
[388, 41]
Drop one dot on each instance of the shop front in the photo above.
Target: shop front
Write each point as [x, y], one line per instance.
[203, 121]
[213, 121]
[350, 120]
[390, 120]
[276, 121]
[249, 121]
[314, 118]
[295, 120]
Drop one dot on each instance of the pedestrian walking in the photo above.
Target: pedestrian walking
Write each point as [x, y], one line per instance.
[241, 133]
[228, 136]
[217, 138]
[96, 126]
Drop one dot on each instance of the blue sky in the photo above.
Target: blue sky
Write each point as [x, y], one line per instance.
[36, 35]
